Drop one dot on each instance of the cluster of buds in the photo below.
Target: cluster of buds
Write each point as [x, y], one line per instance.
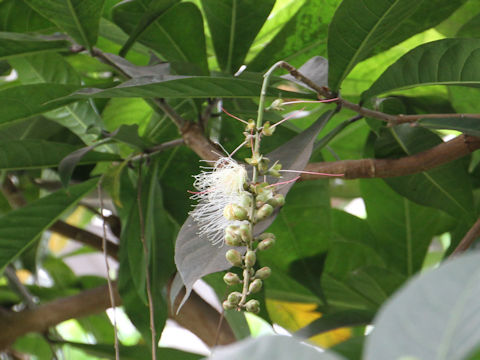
[260, 204]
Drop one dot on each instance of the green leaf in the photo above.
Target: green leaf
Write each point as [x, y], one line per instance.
[14, 44]
[404, 229]
[35, 154]
[470, 29]
[16, 236]
[271, 347]
[16, 16]
[300, 39]
[233, 25]
[446, 187]
[444, 322]
[187, 87]
[357, 27]
[467, 125]
[52, 68]
[182, 43]
[153, 10]
[79, 18]
[442, 62]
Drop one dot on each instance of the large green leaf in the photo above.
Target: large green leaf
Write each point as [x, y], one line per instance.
[14, 44]
[79, 18]
[52, 68]
[302, 37]
[34, 154]
[467, 125]
[271, 347]
[16, 16]
[357, 27]
[21, 102]
[233, 25]
[19, 228]
[186, 87]
[182, 43]
[433, 317]
[446, 187]
[404, 229]
[442, 62]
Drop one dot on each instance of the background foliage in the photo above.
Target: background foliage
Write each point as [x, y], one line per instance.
[127, 96]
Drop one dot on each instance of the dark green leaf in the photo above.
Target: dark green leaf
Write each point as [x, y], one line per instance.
[196, 257]
[79, 18]
[187, 87]
[467, 125]
[134, 71]
[182, 43]
[351, 349]
[271, 347]
[34, 344]
[16, 236]
[128, 134]
[470, 29]
[13, 44]
[357, 27]
[301, 38]
[442, 62]
[32, 154]
[435, 316]
[336, 320]
[233, 25]
[16, 16]
[446, 187]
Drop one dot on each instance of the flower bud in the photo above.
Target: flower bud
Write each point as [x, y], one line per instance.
[276, 105]
[231, 278]
[228, 306]
[235, 212]
[250, 258]
[264, 195]
[262, 273]
[255, 286]
[234, 257]
[233, 240]
[251, 125]
[275, 170]
[277, 201]
[246, 200]
[253, 306]
[267, 129]
[266, 236]
[266, 244]
[234, 297]
[245, 232]
[264, 212]
[263, 166]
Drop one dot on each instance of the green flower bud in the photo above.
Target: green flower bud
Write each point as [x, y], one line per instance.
[277, 201]
[250, 258]
[264, 194]
[228, 306]
[251, 125]
[234, 257]
[251, 271]
[276, 105]
[266, 236]
[253, 306]
[275, 170]
[267, 129]
[235, 212]
[255, 286]
[263, 273]
[266, 244]
[245, 232]
[231, 278]
[233, 240]
[264, 212]
[254, 160]
[234, 297]
[246, 200]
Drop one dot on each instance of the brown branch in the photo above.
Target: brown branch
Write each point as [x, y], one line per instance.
[467, 240]
[383, 168]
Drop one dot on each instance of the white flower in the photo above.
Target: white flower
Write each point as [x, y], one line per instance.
[217, 188]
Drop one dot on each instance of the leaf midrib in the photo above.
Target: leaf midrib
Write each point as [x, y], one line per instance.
[78, 24]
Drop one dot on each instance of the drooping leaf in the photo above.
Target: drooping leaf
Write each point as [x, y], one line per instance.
[52, 68]
[16, 236]
[301, 38]
[271, 347]
[357, 27]
[233, 25]
[446, 187]
[182, 43]
[197, 257]
[14, 44]
[79, 18]
[187, 87]
[34, 154]
[435, 316]
[134, 71]
[442, 62]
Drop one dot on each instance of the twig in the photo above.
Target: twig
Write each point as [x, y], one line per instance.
[107, 266]
[467, 240]
[19, 288]
[147, 270]
[170, 112]
[159, 148]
